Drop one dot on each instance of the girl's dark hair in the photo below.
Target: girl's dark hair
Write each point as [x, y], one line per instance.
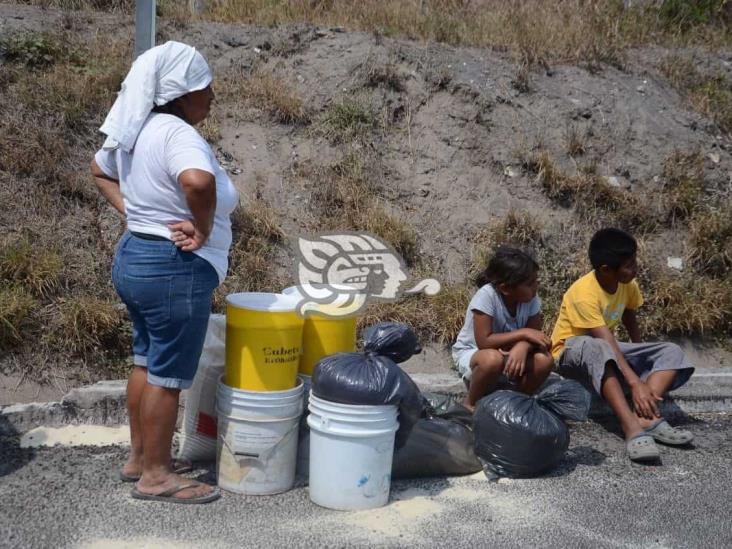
[509, 266]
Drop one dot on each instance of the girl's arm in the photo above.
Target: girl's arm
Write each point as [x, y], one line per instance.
[630, 321]
[486, 339]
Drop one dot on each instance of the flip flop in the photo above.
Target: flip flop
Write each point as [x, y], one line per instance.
[179, 467]
[642, 448]
[169, 495]
[662, 432]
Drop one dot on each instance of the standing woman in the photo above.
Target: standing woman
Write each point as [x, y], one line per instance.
[157, 171]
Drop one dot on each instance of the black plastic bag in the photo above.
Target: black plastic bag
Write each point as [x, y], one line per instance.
[369, 378]
[440, 444]
[518, 435]
[391, 339]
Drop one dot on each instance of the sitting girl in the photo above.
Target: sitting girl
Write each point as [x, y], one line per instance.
[501, 338]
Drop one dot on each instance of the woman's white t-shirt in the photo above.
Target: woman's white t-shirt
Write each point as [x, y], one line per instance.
[148, 179]
[487, 301]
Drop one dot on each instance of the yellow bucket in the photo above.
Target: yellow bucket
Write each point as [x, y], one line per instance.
[263, 341]
[323, 335]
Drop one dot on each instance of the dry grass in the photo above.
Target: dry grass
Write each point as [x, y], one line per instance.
[590, 31]
[16, 305]
[56, 109]
[710, 239]
[114, 6]
[686, 305]
[87, 326]
[265, 91]
[710, 95]
[522, 79]
[32, 51]
[56, 91]
[576, 140]
[395, 230]
[384, 75]
[346, 186]
[33, 267]
[683, 184]
[436, 318]
[439, 77]
[210, 128]
[592, 197]
[256, 233]
[349, 118]
[521, 229]
[345, 196]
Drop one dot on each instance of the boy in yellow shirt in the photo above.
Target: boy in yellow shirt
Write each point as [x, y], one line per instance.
[584, 346]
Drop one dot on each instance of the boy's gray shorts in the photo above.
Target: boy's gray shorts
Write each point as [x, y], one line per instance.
[585, 358]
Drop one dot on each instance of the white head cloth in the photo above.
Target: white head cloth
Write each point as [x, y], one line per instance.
[157, 76]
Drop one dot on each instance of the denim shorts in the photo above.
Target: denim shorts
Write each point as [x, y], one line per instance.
[168, 293]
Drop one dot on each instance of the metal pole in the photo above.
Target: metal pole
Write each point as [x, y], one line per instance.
[196, 6]
[144, 26]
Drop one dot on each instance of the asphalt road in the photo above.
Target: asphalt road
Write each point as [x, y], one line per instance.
[69, 497]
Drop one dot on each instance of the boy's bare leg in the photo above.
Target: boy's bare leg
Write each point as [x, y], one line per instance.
[487, 365]
[135, 385]
[612, 392]
[659, 383]
[538, 368]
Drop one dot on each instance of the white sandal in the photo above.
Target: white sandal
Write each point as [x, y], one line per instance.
[642, 448]
[661, 431]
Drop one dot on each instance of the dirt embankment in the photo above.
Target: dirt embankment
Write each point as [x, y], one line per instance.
[428, 145]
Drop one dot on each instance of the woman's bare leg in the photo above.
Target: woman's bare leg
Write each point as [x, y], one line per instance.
[158, 413]
[135, 386]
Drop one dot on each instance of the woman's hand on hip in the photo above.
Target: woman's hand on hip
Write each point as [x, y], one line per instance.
[186, 236]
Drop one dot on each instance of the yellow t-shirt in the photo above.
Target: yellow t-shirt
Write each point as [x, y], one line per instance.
[586, 305]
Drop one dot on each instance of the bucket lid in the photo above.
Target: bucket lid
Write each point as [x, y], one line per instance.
[261, 301]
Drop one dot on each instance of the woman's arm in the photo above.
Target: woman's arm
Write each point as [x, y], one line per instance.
[108, 187]
[199, 188]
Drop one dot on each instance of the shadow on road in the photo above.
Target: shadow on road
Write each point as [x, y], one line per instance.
[13, 456]
[578, 455]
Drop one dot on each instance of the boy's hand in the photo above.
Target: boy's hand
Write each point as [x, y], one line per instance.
[537, 338]
[645, 401]
[516, 361]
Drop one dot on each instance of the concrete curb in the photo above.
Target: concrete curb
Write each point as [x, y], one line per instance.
[708, 391]
[104, 403]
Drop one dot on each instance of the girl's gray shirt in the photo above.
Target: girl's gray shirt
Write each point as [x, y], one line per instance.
[488, 301]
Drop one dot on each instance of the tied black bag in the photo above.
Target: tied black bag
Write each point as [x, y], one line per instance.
[518, 435]
[372, 377]
[440, 444]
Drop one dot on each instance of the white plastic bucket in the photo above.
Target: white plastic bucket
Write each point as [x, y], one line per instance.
[257, 439]
[303, 439]
[351, 450]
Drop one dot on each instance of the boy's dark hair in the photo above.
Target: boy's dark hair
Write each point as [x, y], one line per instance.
[509, 266]
[611, 247]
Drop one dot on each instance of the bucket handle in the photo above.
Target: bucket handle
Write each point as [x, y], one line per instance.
[264, 455]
